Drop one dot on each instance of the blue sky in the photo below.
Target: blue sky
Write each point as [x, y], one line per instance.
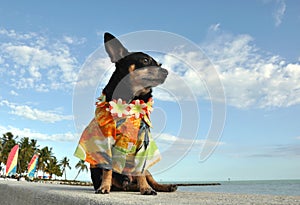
[254, 47]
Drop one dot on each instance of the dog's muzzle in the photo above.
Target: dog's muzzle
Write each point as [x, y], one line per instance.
[164, 71]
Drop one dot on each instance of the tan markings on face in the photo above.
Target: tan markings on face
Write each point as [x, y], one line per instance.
[135, 75]
[131, 68]
[135, 82]
[143, 91]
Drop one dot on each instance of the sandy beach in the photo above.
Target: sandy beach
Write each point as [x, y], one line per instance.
[28, 193]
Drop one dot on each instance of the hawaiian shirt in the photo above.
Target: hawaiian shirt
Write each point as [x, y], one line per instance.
[118, 138]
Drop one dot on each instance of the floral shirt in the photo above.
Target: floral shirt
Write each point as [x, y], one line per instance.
[119, 137]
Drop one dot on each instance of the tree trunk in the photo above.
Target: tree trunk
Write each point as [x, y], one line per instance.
[77, 175]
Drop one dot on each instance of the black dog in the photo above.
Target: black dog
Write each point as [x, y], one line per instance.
[130, 87]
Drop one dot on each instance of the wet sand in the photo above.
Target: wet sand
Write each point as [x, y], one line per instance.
[29, 193]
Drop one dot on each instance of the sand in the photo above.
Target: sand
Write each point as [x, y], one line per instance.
[29, 193]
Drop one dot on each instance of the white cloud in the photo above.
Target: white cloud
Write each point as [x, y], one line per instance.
[37, 62]
[168, 139]
[95, 72]
[215, 27]
[279, 150]
[282, 150]
[38, 136]
[279, 12]
[251, 77]
[19, 36]
[185, 81]
[14, 93]
[35, 114]
[74, 40]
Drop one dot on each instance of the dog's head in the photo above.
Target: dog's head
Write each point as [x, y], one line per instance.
[136, 72]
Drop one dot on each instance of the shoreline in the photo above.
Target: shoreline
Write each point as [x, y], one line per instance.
[87, 183]
[27, 193]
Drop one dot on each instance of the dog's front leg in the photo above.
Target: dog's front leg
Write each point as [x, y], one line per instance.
[144, 187]
[106, 182]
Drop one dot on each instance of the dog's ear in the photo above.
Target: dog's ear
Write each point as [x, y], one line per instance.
[114, 48]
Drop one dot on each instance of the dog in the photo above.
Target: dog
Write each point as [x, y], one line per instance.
[117, 143]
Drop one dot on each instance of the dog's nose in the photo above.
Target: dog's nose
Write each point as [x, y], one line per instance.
[164, 71]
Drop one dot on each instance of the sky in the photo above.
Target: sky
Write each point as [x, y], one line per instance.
[230, 107]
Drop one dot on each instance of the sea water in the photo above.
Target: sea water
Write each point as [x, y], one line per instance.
[268, 187]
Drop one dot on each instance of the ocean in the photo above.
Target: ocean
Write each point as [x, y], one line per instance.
[265, 187]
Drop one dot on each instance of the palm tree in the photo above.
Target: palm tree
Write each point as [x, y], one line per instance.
[44, 158]
[53, 168]
[8, 140]
[81, 166]
[33, 144]
[27, 149]
[65, 164]
[1, 150]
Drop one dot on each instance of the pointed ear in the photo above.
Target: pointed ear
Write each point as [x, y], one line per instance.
[114, 48]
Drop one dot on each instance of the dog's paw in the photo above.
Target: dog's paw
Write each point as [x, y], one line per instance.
[148, 191]
[103, 190]
[172, 188]
[125, 185]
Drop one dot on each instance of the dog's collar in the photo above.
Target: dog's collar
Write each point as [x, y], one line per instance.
[120, 108]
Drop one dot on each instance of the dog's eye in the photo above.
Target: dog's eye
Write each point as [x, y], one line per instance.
[146, 61]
